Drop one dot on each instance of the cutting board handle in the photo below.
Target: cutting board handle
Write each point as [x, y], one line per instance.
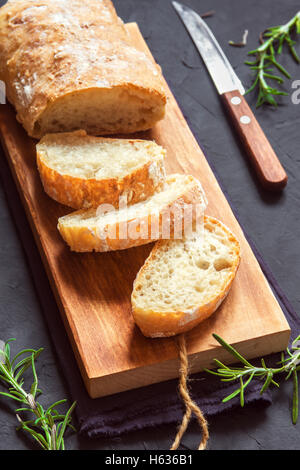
[262, 155]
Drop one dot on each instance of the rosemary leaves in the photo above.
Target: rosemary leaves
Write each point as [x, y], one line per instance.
[289, 365]
[46, 426]
[266, 63]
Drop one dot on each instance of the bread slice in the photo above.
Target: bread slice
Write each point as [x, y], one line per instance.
[72, 65]
[167, 214]
[82, 171]
[184, 281]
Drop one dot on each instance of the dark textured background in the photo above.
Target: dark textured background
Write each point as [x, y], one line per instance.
[272, 221]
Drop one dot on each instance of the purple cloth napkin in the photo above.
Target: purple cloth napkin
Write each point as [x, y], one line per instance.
[136, 409]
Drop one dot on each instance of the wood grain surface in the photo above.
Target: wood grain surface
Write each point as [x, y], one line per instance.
[265, 161]
[93, 290]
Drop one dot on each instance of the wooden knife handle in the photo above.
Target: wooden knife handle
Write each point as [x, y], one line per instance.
[263, 157]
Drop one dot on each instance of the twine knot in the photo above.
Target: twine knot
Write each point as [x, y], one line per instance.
[190, 405]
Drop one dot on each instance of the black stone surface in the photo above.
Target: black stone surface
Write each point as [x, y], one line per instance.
[272, 221]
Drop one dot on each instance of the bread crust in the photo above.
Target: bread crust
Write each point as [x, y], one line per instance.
[80, 192]
[54, 49]
[87, 239]
[155, 324]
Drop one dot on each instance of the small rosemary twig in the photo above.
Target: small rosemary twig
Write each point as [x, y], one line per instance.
[207, 14]
[272, 41]
[243, 41]
[47, 427]
[289, 365]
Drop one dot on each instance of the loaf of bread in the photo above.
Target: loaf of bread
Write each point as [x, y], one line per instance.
[167, 214]
[184, 281]
[70, 64]
[83, 171]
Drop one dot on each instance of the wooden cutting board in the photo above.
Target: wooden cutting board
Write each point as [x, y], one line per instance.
[93, 290]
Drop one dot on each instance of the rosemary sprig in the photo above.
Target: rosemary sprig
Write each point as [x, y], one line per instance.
[266, 63]
[289, 365]
[48, 426]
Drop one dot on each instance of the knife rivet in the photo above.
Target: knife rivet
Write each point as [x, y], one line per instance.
[236, 100]
[245, 119]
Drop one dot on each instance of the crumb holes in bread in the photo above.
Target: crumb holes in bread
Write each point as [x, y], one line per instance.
[202, 264]
[221, 263]
[199, 288]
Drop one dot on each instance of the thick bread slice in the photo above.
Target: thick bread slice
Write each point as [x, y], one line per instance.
[166, 214]
[82, 171]
[71, 64]
[184, 281]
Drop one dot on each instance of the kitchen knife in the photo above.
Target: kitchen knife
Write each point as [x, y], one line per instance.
[231, 90]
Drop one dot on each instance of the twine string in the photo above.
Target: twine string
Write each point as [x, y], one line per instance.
[190, 405]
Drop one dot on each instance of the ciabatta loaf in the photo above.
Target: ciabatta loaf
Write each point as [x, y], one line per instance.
[70, 64]
[184, 281]
[167, 214]
[83, 171]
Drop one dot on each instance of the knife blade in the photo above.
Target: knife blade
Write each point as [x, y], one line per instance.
[266, 163]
